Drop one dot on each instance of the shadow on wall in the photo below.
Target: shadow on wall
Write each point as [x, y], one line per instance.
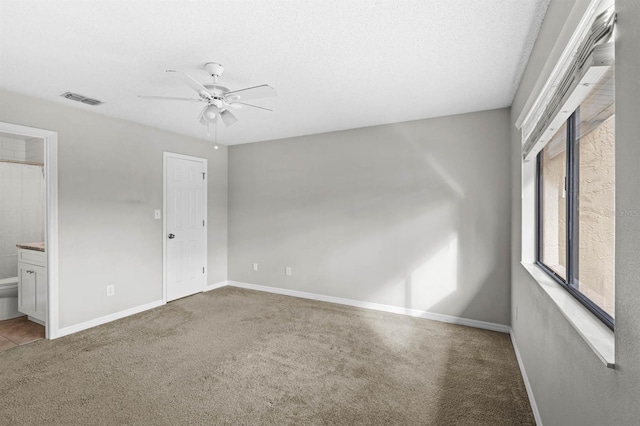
[404, 224]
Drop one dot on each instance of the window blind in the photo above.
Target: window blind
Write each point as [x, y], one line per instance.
[592, 59]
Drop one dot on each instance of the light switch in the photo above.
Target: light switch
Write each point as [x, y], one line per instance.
[157, 214]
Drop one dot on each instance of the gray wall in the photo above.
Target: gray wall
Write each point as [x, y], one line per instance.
[412, 215]
[571, 385]
[110, 182]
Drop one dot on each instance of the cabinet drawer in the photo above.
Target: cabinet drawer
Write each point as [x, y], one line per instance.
[33, 257]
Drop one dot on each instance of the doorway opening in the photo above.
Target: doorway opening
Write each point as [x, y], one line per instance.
[29, 234]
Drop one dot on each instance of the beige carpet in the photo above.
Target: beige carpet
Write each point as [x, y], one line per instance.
[235, 356]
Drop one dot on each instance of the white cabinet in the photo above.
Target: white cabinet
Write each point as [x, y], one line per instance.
[32, 284]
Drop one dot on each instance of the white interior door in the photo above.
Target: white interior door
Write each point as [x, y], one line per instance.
[185, 226]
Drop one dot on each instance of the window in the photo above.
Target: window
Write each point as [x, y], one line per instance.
[576, 204]
[553, 204]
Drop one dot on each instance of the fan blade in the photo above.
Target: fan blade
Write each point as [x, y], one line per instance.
[202, 113]
[170, 98]
[254, 106]
[228, 118]
[197, 86]
[262, 91]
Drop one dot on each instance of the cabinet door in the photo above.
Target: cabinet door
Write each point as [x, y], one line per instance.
[26, 288]
[41, 293]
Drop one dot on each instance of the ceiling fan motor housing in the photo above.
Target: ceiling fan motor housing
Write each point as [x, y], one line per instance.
[214, 69]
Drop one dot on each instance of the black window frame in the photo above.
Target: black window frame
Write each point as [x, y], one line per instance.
[571, 182]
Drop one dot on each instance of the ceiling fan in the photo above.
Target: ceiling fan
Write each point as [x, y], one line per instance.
[219, 99]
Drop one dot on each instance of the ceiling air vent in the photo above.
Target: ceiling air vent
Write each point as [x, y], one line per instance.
[80, 98]
[90, 101]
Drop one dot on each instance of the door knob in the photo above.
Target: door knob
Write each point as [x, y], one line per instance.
[171, 236]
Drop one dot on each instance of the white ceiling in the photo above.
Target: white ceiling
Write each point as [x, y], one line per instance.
[336, 64]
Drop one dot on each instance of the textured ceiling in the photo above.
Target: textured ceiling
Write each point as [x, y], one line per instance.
[336, 64]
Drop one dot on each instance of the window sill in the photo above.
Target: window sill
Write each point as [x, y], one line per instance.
[597, 335]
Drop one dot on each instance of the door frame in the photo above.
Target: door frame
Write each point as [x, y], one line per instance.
[165, 156]
[51, 213]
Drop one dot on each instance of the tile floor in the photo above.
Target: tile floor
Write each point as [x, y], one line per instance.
[19, 331]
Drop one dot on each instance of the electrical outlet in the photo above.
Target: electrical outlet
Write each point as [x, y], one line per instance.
[255, 266]
[288, 271]
[157, 214]
[111, 290]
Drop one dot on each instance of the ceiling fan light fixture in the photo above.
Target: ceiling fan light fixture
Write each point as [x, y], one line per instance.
[211, 112]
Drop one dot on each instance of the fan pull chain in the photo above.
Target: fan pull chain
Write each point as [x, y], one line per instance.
[215, 129]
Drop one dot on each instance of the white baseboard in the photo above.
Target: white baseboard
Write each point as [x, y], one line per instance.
[36, 320]
[220, 284]
[376, 306]
[108, 318]
[527, 385]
